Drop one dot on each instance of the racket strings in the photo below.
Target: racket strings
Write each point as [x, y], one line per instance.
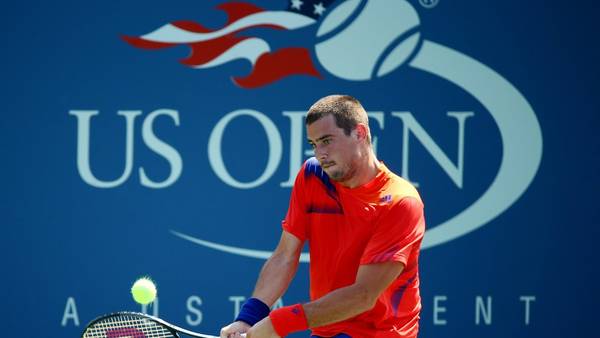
[123, 326]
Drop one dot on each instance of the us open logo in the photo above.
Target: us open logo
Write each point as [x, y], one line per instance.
[391, 28]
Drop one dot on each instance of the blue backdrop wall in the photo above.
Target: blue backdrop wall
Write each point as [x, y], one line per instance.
[161, 138]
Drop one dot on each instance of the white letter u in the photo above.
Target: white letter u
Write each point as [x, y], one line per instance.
[83, 147]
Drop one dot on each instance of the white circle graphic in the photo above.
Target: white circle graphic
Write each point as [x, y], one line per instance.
[519, 128]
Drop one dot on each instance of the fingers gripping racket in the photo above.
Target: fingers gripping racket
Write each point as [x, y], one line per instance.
[135, 325]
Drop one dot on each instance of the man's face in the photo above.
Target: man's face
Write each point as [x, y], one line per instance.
[335, 151]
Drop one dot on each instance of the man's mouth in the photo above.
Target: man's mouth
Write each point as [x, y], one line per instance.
[327, 165]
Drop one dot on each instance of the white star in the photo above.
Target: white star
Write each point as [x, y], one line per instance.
[296, 4]
[319, 9]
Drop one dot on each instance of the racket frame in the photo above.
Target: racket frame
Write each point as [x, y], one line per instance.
[174, 329]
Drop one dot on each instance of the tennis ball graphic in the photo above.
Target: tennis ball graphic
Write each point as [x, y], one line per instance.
[362, 39]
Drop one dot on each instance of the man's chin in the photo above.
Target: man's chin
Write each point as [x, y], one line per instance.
[335, 175]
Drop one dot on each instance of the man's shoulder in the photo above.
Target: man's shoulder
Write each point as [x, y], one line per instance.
[312, 167]
[312, 171]
[399, 188]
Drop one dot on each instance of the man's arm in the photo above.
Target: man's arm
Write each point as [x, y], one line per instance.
[352, 300]
[278, 271]
[343, 303]
[273, 279]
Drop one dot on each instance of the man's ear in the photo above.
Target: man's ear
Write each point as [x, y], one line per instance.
[361, 131]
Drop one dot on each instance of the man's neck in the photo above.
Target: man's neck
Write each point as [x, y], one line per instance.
[364, 173]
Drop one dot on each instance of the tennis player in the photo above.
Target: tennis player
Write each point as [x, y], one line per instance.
[364, 226]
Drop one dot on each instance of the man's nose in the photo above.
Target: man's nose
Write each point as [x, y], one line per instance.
[320, 154]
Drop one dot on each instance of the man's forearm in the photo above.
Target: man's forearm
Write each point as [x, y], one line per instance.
[352, 300]
[338, 305]
[275, 278]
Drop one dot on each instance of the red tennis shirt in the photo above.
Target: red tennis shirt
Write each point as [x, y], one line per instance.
[381, 221]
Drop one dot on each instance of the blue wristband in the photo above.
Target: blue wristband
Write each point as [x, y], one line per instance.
[253, 311]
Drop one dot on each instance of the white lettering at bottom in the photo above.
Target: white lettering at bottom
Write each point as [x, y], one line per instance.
[192, 302]
[70, 313]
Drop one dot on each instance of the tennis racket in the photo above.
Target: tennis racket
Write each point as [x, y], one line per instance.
[135, 325]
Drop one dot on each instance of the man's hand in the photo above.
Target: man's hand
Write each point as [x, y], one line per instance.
[234, 330]
[262, 329]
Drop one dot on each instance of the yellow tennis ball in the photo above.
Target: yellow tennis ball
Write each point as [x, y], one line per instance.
[143, 291]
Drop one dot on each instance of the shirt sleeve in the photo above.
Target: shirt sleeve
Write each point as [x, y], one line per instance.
[295, 221]
[397, 232]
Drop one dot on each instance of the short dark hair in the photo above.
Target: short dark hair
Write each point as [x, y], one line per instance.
[346, 110]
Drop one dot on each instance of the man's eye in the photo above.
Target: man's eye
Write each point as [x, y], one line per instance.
[326, 142]
[312, 145]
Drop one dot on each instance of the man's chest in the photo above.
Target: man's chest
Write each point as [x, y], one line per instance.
[343, 218]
